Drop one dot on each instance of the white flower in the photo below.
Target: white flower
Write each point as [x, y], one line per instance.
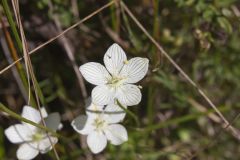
[101, 125]
[112, 110]
[116, 80]
[33, 140]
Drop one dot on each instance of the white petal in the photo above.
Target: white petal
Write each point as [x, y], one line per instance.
[27, 151]
[95, 73]
[83, 124]
[116, 134]
[31, 114]
[44, 112]
[18, 133]
[115, 113]
[129, 95]
[114, 59]
[46, 145]
[60, 126]
[96, 141]
[53, 121]
[88, 102]
[102, 95]
[135, 69]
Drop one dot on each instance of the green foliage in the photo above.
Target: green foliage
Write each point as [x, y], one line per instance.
[2, 148]
[202, 36]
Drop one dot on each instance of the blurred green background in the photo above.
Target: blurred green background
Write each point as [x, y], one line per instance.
[202, 36]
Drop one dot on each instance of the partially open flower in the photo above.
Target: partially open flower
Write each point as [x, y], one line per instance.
[100, 125]
[33, 140]
[116, 80]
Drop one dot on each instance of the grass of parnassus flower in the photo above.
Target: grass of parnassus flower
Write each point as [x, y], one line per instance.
[171, 124]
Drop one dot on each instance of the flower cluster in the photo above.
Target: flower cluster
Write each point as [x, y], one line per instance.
[114, 84]
[33, 140]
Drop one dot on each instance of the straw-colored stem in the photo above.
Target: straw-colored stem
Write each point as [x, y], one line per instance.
[200, 91]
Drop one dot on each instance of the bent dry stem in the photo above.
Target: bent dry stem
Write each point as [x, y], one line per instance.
[59, 35]
[200, 91]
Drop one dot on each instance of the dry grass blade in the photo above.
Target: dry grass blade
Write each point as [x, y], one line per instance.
[213, 141]
[201, 92]
[64, 41]
[11, 54]
[15, 10]
[61, 34]
[202, 108]
[29, 68]
[26, 53]
[68, 48]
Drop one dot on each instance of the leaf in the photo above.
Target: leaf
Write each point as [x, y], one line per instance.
[225, 24]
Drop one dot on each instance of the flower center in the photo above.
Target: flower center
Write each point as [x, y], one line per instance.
[99, 124]
[37, 136]
[115, 81]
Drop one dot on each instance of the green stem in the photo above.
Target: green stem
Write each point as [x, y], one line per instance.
[130, 113]
[113, 18]
[20, 118]
[14, 56]
[150, 105]
[19, 43]
[11, 23]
